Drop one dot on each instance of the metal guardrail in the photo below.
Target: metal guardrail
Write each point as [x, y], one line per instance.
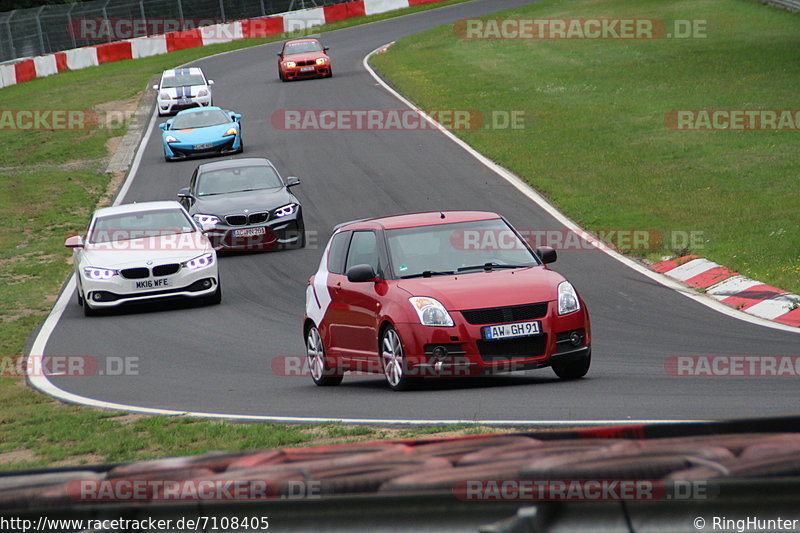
[53, 28]
[791, 5]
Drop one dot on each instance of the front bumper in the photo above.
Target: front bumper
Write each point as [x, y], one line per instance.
[462, 351]
[118, 290]
[230, 144]
[167, 107]
[278, 233]
[295, 73]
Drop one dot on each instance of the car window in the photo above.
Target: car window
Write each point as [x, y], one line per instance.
[448, 247]
[200, 119]
[183, 80]
[302, 48]
[237, 179]
[363, 250]
[338, 251]
[128, 226]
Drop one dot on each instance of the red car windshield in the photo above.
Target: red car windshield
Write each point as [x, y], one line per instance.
[463, 247]
[302, 48]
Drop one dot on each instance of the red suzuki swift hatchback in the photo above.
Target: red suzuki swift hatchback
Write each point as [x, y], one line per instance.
[440, 294]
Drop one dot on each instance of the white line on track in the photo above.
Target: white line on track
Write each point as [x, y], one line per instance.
[539, 200]
[44, 385]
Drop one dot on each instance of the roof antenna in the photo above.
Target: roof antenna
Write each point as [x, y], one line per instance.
[441, 214]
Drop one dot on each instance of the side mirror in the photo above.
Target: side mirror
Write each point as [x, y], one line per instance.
[546, 254]
[279, 54]
[325, 49]
[75, 241]
[211, 82]
[360, 273]
[163, 126]
[291, 181]
[155, 87]
[236, 116]
[184, 193]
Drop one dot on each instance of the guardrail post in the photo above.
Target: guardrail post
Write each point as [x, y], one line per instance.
[10, 36]
[180, 13]
[222, 10]
[71, 26]
[39, 30]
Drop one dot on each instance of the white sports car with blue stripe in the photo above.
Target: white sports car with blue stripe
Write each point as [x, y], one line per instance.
[182, 88]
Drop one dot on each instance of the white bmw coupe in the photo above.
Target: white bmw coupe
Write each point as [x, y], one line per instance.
[143, 251]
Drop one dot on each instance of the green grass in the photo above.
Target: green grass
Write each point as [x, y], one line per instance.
[50, 182]
[595, 141]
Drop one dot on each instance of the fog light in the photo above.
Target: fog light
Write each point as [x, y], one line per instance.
[207, 283]
[97, 297]
[439, 352]
[576, 338]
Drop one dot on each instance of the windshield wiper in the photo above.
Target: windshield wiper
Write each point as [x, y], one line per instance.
[491, 266]
[429, 273]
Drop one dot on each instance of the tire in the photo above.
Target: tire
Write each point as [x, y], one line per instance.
[330, 73]
[280, 75]
[394, 362]
[574, 369]
[317, 362]
[88, 310]
[80, 296]
[216, 298]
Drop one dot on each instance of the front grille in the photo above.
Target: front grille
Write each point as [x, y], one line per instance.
[306, 63]
[504, 349]
[135, 273]
[498, 315]
[257, 218]
[224, 147]
[236, 220]
[166, 270]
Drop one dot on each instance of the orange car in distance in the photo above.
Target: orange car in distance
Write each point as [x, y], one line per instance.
[303, 58]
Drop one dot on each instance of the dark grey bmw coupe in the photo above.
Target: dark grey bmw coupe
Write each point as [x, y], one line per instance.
[244, 204]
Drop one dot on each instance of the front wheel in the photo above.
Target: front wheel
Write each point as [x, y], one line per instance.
[394, 362]
[574, 369]
[317, 362]
[216, 298]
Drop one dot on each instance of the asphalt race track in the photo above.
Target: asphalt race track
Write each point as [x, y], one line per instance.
[218, 359]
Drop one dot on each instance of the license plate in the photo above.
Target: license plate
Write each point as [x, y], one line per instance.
[508, 331]
[202, 146]
[184, 101]
[306, 69]
[249, 232]
[150, 284]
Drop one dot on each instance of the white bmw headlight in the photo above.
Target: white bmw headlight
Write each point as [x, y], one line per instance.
[286, 210]
[165, 95]
[206, 219]
[567, 298]
[171, 139]
[99, 273]
[430, 311]
[201, 261]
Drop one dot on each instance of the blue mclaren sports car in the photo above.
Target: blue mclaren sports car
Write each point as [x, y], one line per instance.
[202, 131]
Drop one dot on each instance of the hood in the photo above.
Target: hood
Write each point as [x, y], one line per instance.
[305, 56]
[487, 289]
[184, 91]
[136, 252]
[237, 202]
[194, 135]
